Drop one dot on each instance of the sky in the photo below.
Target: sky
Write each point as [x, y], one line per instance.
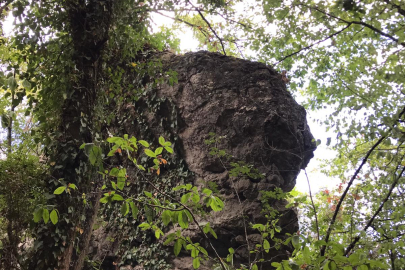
[318, 180]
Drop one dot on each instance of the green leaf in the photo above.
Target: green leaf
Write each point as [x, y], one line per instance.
[177, 247]
[125, 209]
[296, 241]
[196, 263]
[149, 153]
[72, 186]
[104, 199]
[169, 149]
[38, 215]
[45, 215]
[95, 155]
[144, 226]
[143, 143]
[158, 151]
[266, 245]
[134, 210]
[254, 267]
[117, 197]
[114, 139]
[166, 217]
[161, 141]
[54, 216]
[59, 190]
[183, 220]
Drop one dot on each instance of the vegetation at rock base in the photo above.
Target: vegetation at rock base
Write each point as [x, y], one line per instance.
[73, 73]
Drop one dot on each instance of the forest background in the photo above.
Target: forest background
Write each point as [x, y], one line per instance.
[342, 56]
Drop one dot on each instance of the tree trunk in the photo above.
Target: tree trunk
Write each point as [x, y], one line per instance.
[89, 26]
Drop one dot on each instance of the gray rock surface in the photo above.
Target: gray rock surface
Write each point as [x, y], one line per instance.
[248, 105]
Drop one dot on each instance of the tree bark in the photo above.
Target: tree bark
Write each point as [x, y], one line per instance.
[89, 27]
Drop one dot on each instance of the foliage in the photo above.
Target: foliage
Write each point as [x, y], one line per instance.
[75, 67]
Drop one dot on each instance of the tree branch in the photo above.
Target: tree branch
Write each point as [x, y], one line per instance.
[313, 44]
[313, 205]
[357, 238]
[369, 26]
[213, 31]
[333, 220]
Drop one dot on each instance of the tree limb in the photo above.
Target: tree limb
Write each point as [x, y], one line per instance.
[333, 220]
[357, 238]
[369, 26]
[313, 44]
[213, 31]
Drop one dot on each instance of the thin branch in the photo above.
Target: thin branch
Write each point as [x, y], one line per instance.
[369, 26]
[357, 238]
[333, 220]
[181, 20]
[312, 45]
[212, 29]
[313, 205]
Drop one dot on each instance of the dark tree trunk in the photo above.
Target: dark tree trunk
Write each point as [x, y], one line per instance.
[89, 26]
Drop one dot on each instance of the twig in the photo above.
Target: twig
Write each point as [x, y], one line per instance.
[369, 26]
[313, 44]
[181, 20]
[313, 205]
[213, 31]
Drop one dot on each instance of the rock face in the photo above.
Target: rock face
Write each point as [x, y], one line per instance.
[247, 105]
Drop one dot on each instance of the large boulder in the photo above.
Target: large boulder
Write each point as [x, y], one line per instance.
[248, 106]
[255, 120]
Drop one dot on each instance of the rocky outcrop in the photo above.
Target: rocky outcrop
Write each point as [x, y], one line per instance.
[247, 105]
